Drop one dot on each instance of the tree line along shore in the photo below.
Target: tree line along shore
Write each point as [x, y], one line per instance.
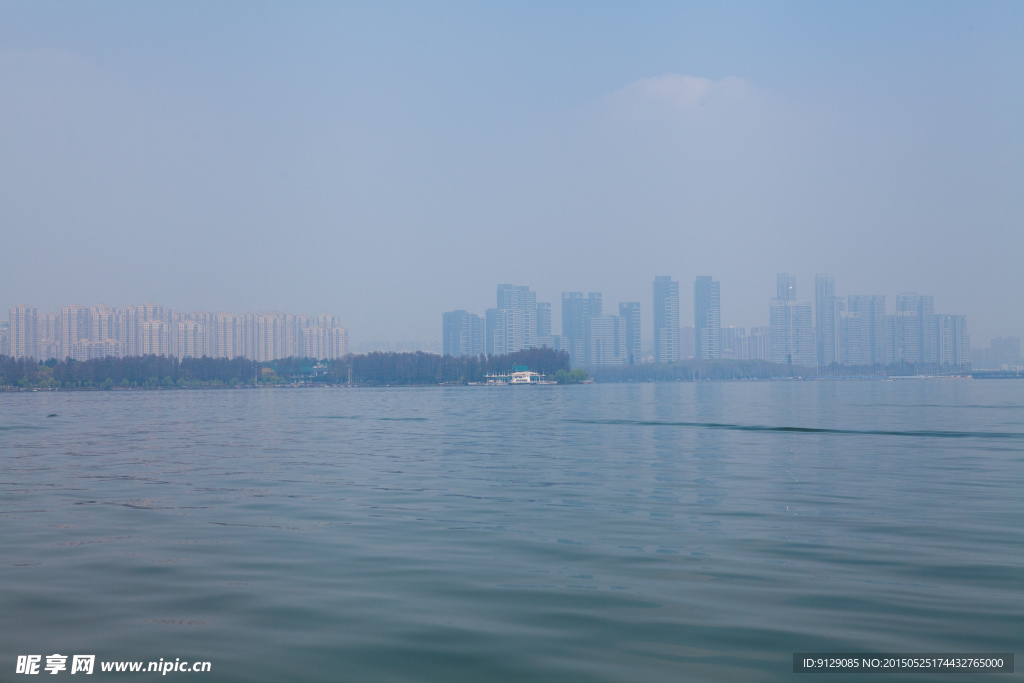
[399, 369]
[372, 369]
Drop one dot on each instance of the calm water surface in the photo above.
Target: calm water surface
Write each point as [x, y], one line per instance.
[657, 532]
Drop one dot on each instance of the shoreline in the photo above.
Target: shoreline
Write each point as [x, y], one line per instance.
[17, 390]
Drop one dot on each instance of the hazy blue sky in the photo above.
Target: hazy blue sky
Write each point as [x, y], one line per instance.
[388, 162]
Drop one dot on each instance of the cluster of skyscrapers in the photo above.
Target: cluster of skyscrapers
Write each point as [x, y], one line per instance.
[520, 322]
[1002, 354]
[87, 332]
[706, 338]
[855, 330]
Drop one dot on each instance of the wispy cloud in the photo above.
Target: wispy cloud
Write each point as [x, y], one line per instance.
[679, 92]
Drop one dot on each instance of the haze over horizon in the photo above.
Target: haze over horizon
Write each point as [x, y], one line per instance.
[389, 162]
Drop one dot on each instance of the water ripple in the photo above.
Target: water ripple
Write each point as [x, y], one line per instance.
[936, 434]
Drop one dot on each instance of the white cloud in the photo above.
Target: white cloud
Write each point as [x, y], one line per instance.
[678, 92]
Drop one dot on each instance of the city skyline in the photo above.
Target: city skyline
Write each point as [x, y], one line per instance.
[850, 330]
[853, 329]
[407, 338]
[90, 332]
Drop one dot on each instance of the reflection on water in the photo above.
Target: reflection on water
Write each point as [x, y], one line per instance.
[603, 532]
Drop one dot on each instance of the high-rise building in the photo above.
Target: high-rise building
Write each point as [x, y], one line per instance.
[756, 345]
[607, 340]
[130, 330]
[791, 330]
[630, 314]
[512, 326]
[104, 323]
[74, 323]
[890, 339]
[575, 326]
[87, 349]
[247, 334]
[543, 319]
[785, 287]
[191, 339]
[24, 331]
[49, 336]
[269, 331]
[523, 303]
[1002, 353]
[1005, 351]
[554, 341]
[852, 338]
[687, 343]
[732, 341]
[666, 319]
[595, 309]
[826, 319]
[325, 342]
[707, 318]
[862, 329]
[225, 336]
[337, 342]
[500, 331]
[590, 337]
[152, 330]
[494, 333]
[952, 346]
[913, 329]
[463, 334]
[544, 336]
[154, 338]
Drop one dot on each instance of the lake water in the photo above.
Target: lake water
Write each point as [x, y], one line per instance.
[655, 532]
